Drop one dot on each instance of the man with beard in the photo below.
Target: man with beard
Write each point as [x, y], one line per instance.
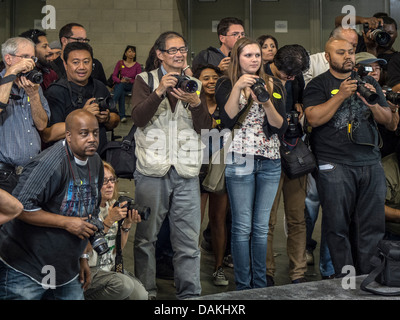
[42, 52]
[345, 140]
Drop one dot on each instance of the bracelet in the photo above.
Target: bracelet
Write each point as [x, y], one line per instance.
[185, 68]
[125, 229]
[106, 225]
[395, 110]
[85, 256]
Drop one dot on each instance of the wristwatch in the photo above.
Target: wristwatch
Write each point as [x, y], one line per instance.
[85, 256]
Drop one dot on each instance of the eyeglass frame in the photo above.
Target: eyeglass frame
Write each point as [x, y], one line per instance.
[177, 49]
[236, 35]
[113, 180]
[35, 59]
[85, 40]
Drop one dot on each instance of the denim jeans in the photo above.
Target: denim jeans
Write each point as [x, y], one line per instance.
[353, 219]
[312, 209]
[15, 285]
[251, 187]
[120, 90]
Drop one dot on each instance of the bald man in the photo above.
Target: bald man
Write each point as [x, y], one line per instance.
[42, 251]
[345, 140]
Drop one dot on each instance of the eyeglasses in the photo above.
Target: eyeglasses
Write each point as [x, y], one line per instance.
[112, 180]
[376, 68]
[237, 35]
[175, 50]
[86, 40]
[25, 56]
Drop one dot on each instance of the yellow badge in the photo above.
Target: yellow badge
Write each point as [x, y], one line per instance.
[334, 91]
[277, 95]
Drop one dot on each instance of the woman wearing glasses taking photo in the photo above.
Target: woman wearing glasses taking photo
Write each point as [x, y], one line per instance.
[253, 163]
[106, 284]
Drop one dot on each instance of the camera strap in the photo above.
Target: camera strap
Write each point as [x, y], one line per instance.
[350, 126]
[78, 182]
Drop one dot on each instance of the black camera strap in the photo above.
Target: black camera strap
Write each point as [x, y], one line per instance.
[78, 182]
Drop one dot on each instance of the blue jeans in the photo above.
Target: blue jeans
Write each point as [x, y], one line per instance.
[15, 285]
[312, 209]
[120, 90]
[353, 219]
[251, 187]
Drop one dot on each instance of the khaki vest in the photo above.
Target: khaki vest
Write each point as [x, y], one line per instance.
[168, 140]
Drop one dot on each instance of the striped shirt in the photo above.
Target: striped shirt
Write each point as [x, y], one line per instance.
[19, 139]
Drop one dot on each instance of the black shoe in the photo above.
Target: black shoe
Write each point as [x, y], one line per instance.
[270, 281]
[206, 246]
[332, 276]
[299, 280]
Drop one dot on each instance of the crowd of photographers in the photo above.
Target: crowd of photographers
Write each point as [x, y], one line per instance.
[56, 110]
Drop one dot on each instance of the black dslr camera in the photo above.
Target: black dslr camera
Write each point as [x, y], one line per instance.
[143, 211]
[393, 97]
[369, 95]
[105, 103]
[259, 90]
[186, 84]
[381, 37]
[34, 76]
[294, 129]
[97, 240]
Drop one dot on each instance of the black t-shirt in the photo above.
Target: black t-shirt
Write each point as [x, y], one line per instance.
[59, 95]
[56, 183]
[331, 141]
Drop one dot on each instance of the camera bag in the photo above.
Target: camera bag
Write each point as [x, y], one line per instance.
[296, 159]
[121, 155]
[386, 270]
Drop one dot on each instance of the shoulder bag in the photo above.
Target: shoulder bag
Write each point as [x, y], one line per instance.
[296, 159]
[387, 269]
[215, 178]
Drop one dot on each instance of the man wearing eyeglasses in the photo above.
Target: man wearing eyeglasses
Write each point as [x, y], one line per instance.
[229, 30]
[24, 111]
[168, 148]
[75, 32]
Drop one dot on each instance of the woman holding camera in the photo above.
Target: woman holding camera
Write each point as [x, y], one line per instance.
[106, 284]
[253, 164]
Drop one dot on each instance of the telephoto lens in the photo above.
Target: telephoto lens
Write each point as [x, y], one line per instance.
[259, 90]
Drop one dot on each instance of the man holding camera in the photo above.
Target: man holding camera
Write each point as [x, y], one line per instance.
[79, 90]
[24, 111]
[42, 251]
[345, 140]
[169, 156]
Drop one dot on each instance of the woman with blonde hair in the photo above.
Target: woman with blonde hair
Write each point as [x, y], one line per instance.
[253, 163]
[106, 284]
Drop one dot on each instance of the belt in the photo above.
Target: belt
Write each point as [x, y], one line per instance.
[9, 167]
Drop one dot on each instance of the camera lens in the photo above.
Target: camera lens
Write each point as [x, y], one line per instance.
[259, 90]
[99, 244]
[382, 38]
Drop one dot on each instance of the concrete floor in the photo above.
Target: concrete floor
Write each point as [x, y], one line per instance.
[166, 290]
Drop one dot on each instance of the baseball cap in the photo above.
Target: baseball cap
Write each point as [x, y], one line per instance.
[368, 58]
[55, 44]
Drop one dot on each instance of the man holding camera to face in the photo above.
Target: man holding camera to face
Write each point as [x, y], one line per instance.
[169, 156]
[343, 110]
[24, 111]
[79, 90]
